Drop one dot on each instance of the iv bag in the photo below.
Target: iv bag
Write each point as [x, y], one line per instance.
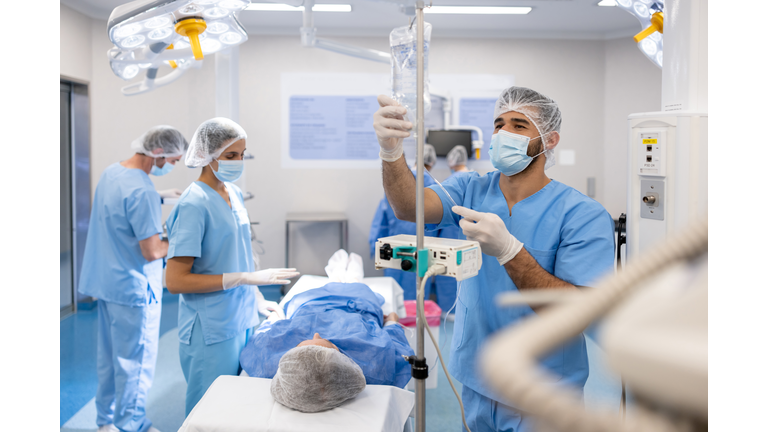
[402, 44]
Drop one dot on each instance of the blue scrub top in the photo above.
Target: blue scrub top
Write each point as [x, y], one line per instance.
[203, 226]
[347, 314]
[569, 235]
[126, 210]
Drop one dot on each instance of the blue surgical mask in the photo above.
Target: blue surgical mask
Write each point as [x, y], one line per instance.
[157, 171]
[509, 152]
[229, 171]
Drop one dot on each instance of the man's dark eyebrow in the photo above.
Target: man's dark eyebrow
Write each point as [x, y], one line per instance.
[516, 120]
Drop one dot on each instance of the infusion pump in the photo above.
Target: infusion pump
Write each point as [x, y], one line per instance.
[462, 258]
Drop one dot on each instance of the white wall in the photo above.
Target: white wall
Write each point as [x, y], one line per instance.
[632, 85]
[75, 44]
[584, 77]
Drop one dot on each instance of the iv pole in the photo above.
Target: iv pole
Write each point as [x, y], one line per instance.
[420, 382]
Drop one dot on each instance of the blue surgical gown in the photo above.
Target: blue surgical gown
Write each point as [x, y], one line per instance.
[385, 224]
[203, 226]
[126, 209]
[347, 314]
[569, 235]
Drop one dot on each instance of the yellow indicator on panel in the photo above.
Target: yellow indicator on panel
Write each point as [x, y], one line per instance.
[650, 141]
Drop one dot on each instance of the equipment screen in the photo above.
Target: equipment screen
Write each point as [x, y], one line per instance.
[445, 140]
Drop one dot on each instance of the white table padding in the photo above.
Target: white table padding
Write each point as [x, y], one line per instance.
[234, 404]
[386, 286]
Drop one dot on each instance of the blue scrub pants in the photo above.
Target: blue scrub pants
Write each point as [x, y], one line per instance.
[487, 415]
[202, 363]
[125, 363]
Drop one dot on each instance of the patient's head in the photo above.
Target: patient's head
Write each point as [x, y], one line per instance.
[316, 377]
[318, 341]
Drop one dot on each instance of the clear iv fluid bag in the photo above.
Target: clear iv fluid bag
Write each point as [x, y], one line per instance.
[402, 44]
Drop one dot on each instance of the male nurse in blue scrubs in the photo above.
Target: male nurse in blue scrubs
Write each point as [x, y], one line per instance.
[534, 232]
[122, 267]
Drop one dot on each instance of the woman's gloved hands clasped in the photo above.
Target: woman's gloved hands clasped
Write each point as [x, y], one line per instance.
[273, 276]
[391, 127]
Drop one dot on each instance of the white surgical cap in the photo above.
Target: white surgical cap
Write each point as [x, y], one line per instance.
[430, 156]
[457, 156]
[211, 139]
[167, 139]
[314, 378]
[540, 109]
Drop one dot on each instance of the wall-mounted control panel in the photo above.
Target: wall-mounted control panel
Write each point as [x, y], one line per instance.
[650, 145]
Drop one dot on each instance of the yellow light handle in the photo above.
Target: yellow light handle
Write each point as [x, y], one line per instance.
[171, 62]
[191, 28]
[477, 154]
[657, 25]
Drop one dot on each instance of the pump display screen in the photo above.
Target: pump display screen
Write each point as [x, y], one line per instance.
[445, 140]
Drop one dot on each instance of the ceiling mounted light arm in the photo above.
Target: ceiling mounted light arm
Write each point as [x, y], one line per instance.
[308, 39]
[151, 81]
[126, 66]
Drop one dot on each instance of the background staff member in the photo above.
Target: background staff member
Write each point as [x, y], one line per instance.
[122, 267]
[210, 261]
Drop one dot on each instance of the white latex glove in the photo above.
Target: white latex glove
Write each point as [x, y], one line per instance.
[275, 276]
[266, 307]
[490, 231]
[391, 128]
[170, 193]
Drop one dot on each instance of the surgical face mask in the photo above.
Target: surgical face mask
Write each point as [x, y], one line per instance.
[509, 152]
[229, 171]
[157, 171]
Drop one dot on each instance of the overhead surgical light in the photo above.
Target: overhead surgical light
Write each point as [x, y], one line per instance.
[650, 13]
[478, 10]
[149, 33]
[279, 7]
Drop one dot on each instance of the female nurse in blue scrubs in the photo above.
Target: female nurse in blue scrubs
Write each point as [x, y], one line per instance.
[210, 261]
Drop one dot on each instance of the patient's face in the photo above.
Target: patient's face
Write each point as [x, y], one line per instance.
[317, 340]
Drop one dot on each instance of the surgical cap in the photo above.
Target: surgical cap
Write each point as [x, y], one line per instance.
[314, 378]
[430, 156]
[457, 156]
[211, 139]
[167, 139]
[542, 110]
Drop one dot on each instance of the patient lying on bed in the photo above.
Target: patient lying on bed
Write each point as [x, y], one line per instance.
[333, 341]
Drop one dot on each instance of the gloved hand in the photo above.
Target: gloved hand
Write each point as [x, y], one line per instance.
[391, 128]
[170, 193]
[490, 231]
[266, 307]
[276, 276]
